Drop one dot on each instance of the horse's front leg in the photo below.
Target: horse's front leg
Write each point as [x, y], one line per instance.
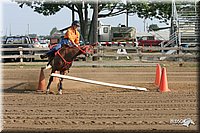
[49, 83]
[60, 87]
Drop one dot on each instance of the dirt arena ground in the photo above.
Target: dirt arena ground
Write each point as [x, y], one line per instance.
[93, 107]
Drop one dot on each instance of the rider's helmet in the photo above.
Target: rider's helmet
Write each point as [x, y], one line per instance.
[76, 23]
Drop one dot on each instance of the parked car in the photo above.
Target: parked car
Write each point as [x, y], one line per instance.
[16, 42]
[149, 41]
[44, 43]
[35, 42]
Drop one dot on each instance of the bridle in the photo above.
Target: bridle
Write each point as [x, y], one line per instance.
[79, 47]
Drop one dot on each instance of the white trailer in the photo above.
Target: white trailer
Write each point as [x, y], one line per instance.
[107, 33]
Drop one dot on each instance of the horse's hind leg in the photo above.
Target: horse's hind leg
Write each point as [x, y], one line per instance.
[49, 83]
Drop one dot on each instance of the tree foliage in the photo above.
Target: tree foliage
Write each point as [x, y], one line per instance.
[53, 31]
[158, 10]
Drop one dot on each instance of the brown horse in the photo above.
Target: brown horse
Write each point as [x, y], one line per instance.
[63, 60]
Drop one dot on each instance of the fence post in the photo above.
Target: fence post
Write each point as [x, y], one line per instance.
[140, 53]
[150, 48]
[162, 46]
[101, 51]
[180, 53]
[21, 54]
[136, 45]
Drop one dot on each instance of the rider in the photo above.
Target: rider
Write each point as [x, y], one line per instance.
[71, 38]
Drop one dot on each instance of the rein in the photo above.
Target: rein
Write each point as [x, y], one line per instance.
[84, 52]
[66, 62]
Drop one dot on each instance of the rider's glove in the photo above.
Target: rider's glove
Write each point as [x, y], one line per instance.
[76, 45]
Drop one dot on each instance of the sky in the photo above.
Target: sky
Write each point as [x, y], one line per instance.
[20, 21]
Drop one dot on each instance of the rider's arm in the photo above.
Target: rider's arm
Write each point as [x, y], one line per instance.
[77, 39]
[73, 38]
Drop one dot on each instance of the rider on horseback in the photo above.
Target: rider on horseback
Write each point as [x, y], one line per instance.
[71, 38]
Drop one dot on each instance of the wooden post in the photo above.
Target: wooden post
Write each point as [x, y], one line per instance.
[21, 54]
[140, 53]
[150, 47]
[100, 51]
[180, 54]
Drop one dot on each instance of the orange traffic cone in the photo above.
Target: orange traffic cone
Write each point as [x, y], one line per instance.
[158, 74]
[163, 82]
[42, 83]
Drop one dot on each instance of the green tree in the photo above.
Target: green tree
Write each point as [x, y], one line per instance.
[53, 31]
[144, 10]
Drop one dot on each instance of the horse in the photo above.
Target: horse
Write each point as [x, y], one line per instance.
[63, 60]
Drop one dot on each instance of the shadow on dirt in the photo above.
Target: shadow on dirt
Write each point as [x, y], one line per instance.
[24, 87]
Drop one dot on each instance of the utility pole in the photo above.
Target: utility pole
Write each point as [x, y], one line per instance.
[28, 29]
[10, 30]
[6, 31]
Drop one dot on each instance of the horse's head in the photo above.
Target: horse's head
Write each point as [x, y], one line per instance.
[88, 49]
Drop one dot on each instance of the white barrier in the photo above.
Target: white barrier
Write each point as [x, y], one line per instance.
[98, 82]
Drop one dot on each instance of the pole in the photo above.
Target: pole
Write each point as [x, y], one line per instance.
[28, 29]
[126, 18]
[10, 30]
[98, 82]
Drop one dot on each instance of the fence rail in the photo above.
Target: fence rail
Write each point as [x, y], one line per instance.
[141, 52]
[101, 52]
[148, 48]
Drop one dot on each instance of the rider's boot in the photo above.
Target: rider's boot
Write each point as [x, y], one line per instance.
[48, 66]
[43, 56]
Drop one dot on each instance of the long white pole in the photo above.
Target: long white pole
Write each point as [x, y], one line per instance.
[98, 82]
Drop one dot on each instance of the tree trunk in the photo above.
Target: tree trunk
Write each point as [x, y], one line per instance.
[95, 28]
[83, 18]
[90, 31]
[86, 23]
[73, 13]
[93, 33]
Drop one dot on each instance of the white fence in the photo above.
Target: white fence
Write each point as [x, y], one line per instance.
[141, 52]
[106, 51]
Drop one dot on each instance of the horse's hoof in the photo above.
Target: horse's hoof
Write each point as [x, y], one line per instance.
[59, 92]
[47, 92]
